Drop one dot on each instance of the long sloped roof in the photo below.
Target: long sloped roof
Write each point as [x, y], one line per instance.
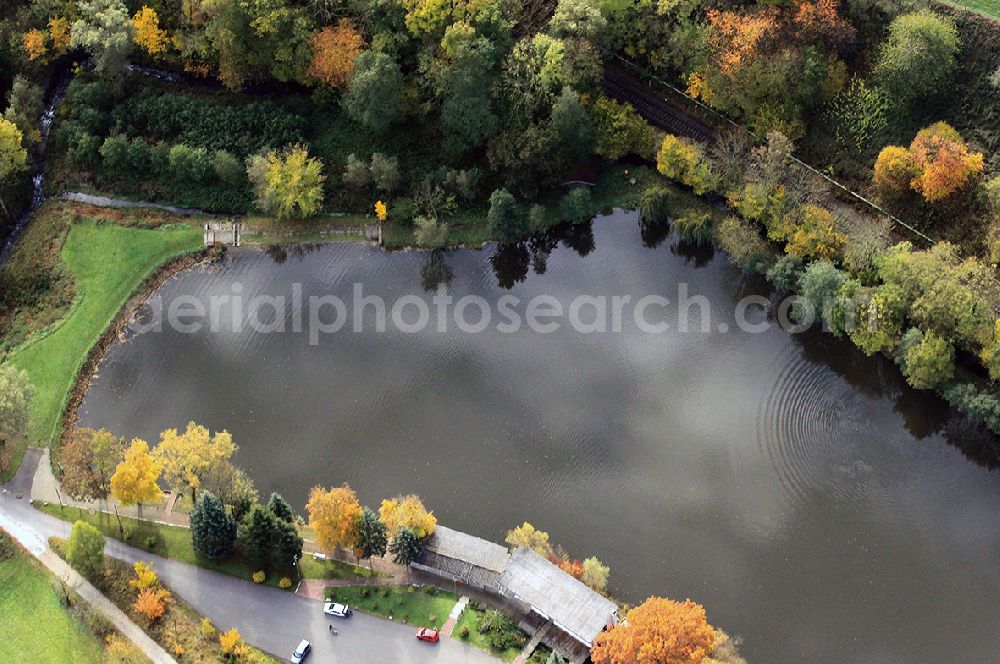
[468, 548]
[570, 604]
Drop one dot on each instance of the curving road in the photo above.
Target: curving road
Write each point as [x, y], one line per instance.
[271, 619]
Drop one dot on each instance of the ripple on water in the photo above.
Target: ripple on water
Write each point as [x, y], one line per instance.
[809, 428]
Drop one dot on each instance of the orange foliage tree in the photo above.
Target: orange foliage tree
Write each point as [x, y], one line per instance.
[334, 49]
[33, 44]
[943, 160]
[736, 37]
[658, 631]
[937, 164]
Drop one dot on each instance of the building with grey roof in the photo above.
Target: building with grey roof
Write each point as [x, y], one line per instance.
[571, 605]
[464, 558]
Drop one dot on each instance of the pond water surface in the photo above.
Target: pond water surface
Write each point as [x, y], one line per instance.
[813, 503]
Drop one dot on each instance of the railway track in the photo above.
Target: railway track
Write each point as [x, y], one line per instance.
[658, 110]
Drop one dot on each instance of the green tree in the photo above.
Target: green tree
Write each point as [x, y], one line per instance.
[24, 108]
[13, 156]
[15, 400]
[819, 287]
[595, 574]
[926, 359]
[287, 183]
[385, 172]
[105, 30]
[280, 508]
[374, 94]
[918, 58]
[257, 535]
[213, 531]
[576, 204]
[371, 537]
[581, 19]
[85, 550]
[189, 164]
[287, 545]
[572, 126]
[505, 218]
[405, 547]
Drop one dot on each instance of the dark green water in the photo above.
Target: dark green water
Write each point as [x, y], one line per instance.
[816, 506]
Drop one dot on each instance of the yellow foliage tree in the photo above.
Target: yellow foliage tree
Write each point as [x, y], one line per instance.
[334, 49]
[658, 631]
[894, 169]
[60, 34]
[815, 237]
[407, 512]
[527, 536]
[148, 34]
[333, 515]
[186, 457]
[135, 478]
[287, 183]
[33, 43]
[381, 211]
[145, 577]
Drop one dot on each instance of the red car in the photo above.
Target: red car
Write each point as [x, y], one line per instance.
[428, 635]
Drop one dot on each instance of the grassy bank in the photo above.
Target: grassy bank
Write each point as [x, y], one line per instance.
[989, 8]
[97, 264]
[175, 542]
[37, 618]
[420, 607]
[34, 620]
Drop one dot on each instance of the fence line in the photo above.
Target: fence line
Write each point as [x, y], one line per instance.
[730, 121]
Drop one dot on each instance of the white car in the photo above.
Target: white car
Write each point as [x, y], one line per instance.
[301, 652]
[334, 609]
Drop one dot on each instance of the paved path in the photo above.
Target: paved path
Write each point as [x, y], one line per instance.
[31, 540]
[456, 613]
[271, 619]
[108, 202]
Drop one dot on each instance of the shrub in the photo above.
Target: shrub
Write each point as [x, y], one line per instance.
[259, 576]
[695, 227]
[207, 629]
[285, 583]
[84, 149]
[505, 219]
[385, 172]
[685, 161]
[152, 603]
[189, 164]
[85, 550]
[786, 272]
[576, 204]
[356, 172]
[228, 169]
[654, 203]
[620, 130]
[464, 632]
[744, 244]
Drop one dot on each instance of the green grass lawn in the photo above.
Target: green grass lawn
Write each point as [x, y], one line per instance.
[108, 262]
[421, 607]
[175, 542]
[987, 7]
[34, 624]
